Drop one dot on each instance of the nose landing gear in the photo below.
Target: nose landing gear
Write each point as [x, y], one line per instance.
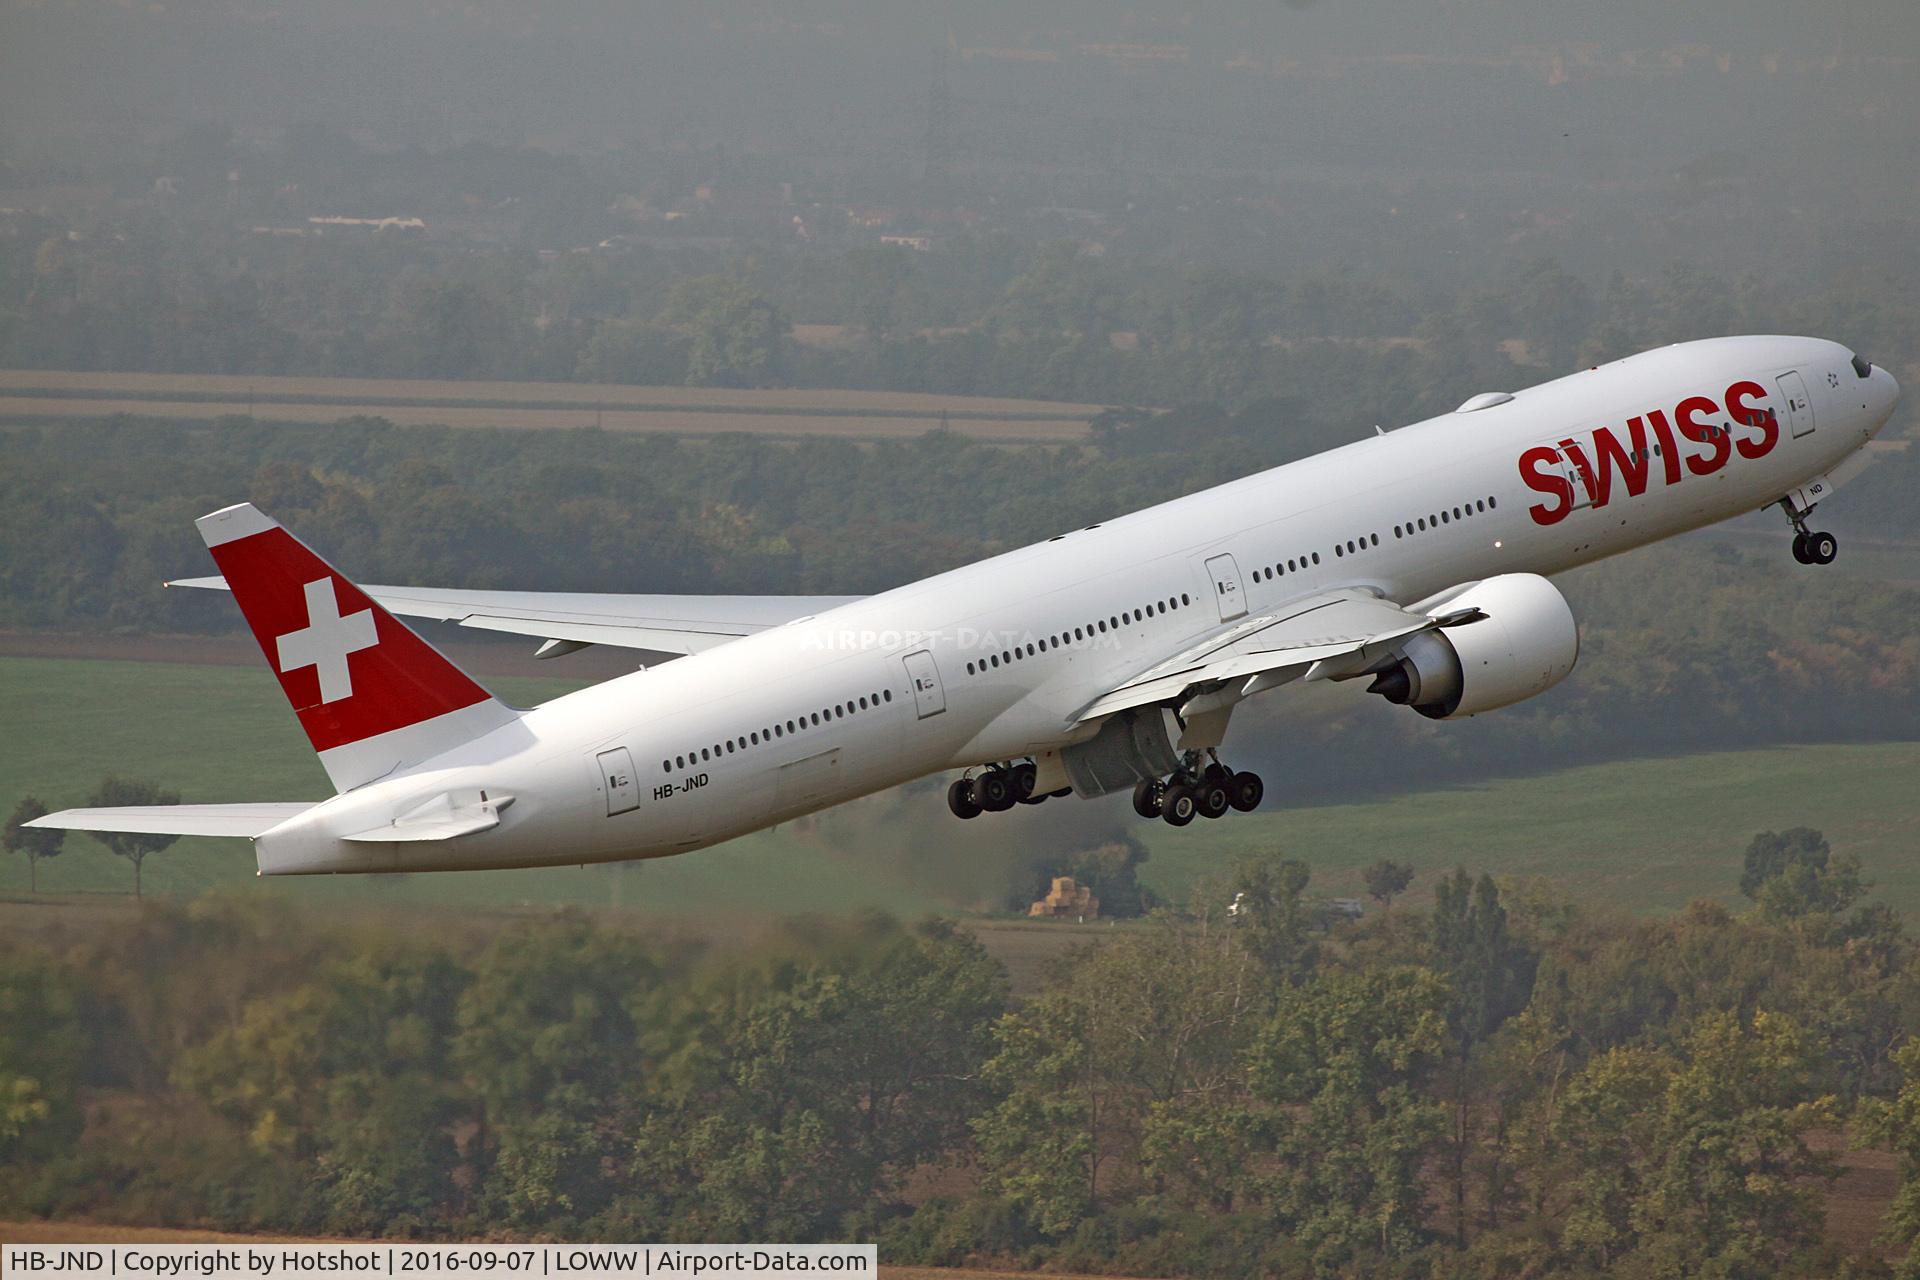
[1809, 547]
[1206, 790]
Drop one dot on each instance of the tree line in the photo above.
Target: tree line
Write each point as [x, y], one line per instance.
[989, 314]
[1507, 1083]
[1684, 647]
[37, 844]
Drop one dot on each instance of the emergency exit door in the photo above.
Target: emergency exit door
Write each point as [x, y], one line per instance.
[1224, 574]
[1799, 405]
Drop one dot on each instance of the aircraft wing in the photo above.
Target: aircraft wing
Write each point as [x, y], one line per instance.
[178, 819]
[573, 620]
[1347, 629]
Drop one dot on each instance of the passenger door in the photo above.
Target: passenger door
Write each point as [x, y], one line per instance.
[929, 699]
[1793, 390]
[622, 784]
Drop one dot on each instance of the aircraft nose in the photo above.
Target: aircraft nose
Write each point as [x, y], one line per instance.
[1886, 393]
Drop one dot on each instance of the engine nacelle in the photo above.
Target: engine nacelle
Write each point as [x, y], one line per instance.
[1526, 644]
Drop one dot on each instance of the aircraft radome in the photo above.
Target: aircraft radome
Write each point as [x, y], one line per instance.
[1106, 658]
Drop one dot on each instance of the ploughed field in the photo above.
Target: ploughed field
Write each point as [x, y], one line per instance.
[39, 395]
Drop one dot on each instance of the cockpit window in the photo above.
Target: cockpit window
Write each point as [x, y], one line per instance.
[1862, 367]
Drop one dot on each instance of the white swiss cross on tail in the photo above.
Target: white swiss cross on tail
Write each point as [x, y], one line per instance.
[327, 640]
[378, 696]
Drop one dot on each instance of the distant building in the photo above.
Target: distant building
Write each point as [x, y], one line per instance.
[369, 224]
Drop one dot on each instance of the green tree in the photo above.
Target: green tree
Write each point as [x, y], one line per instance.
[438, 327]
[1894, 1124]
[1491, 974]
[548, 1040]
[631, 351]
[1348, 1057]
[738, 336]
[348, 1072]
[1040, 1145]
[875, 280]
[1792, 874]
[1386, 880]
[1608, 1127]
[1732, 1187]
[41, 1052]
[114, 792]
[806, 1088]
[35, 843]
[1105, 1079]
[1272, 917]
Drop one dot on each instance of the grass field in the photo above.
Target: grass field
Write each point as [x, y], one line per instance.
[221, 733]
[35, 394]
[1637, 834]
[1641, 835]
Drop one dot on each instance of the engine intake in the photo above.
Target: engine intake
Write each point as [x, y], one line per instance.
[1526, 642]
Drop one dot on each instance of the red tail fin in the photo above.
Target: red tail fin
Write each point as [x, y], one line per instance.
[355, 676]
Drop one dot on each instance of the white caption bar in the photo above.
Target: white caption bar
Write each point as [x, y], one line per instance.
[293, 1261]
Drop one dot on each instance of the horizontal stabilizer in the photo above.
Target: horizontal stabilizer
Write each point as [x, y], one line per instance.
[178, 819]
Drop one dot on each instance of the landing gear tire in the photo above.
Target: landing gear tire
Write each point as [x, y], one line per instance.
[1177, 806]
[1148, 796]
[1210, 799]
[1246, 791]
[994, 790]
[961, 800]
[1023, 776]
[1800, 551]
[1822, 548]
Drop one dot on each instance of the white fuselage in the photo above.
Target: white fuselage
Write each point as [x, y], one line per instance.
[711, 752]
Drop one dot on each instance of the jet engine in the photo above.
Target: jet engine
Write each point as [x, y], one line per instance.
[1523, 642]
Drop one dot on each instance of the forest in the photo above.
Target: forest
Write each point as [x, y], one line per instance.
[989, 313]
[1507, 1084]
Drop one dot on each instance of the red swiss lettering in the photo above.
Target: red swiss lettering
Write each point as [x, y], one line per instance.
[1540, 471]
[1669, 447]
[1633, 462]
[1718, 440]
[1740, 398]
[1595, 486]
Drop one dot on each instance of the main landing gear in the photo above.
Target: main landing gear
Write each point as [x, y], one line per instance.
[997, 789]
[1809, 547]
[1202, 787]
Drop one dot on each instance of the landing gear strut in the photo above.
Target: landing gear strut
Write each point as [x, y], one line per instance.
[1809, 547]
[998, 789]
[1199, 788]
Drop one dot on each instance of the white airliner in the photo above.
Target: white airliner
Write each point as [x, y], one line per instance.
[1107, 658]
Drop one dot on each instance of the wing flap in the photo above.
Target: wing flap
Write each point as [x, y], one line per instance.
[247, 820]
[407, 832]
[655, 623]
[1321, 628]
